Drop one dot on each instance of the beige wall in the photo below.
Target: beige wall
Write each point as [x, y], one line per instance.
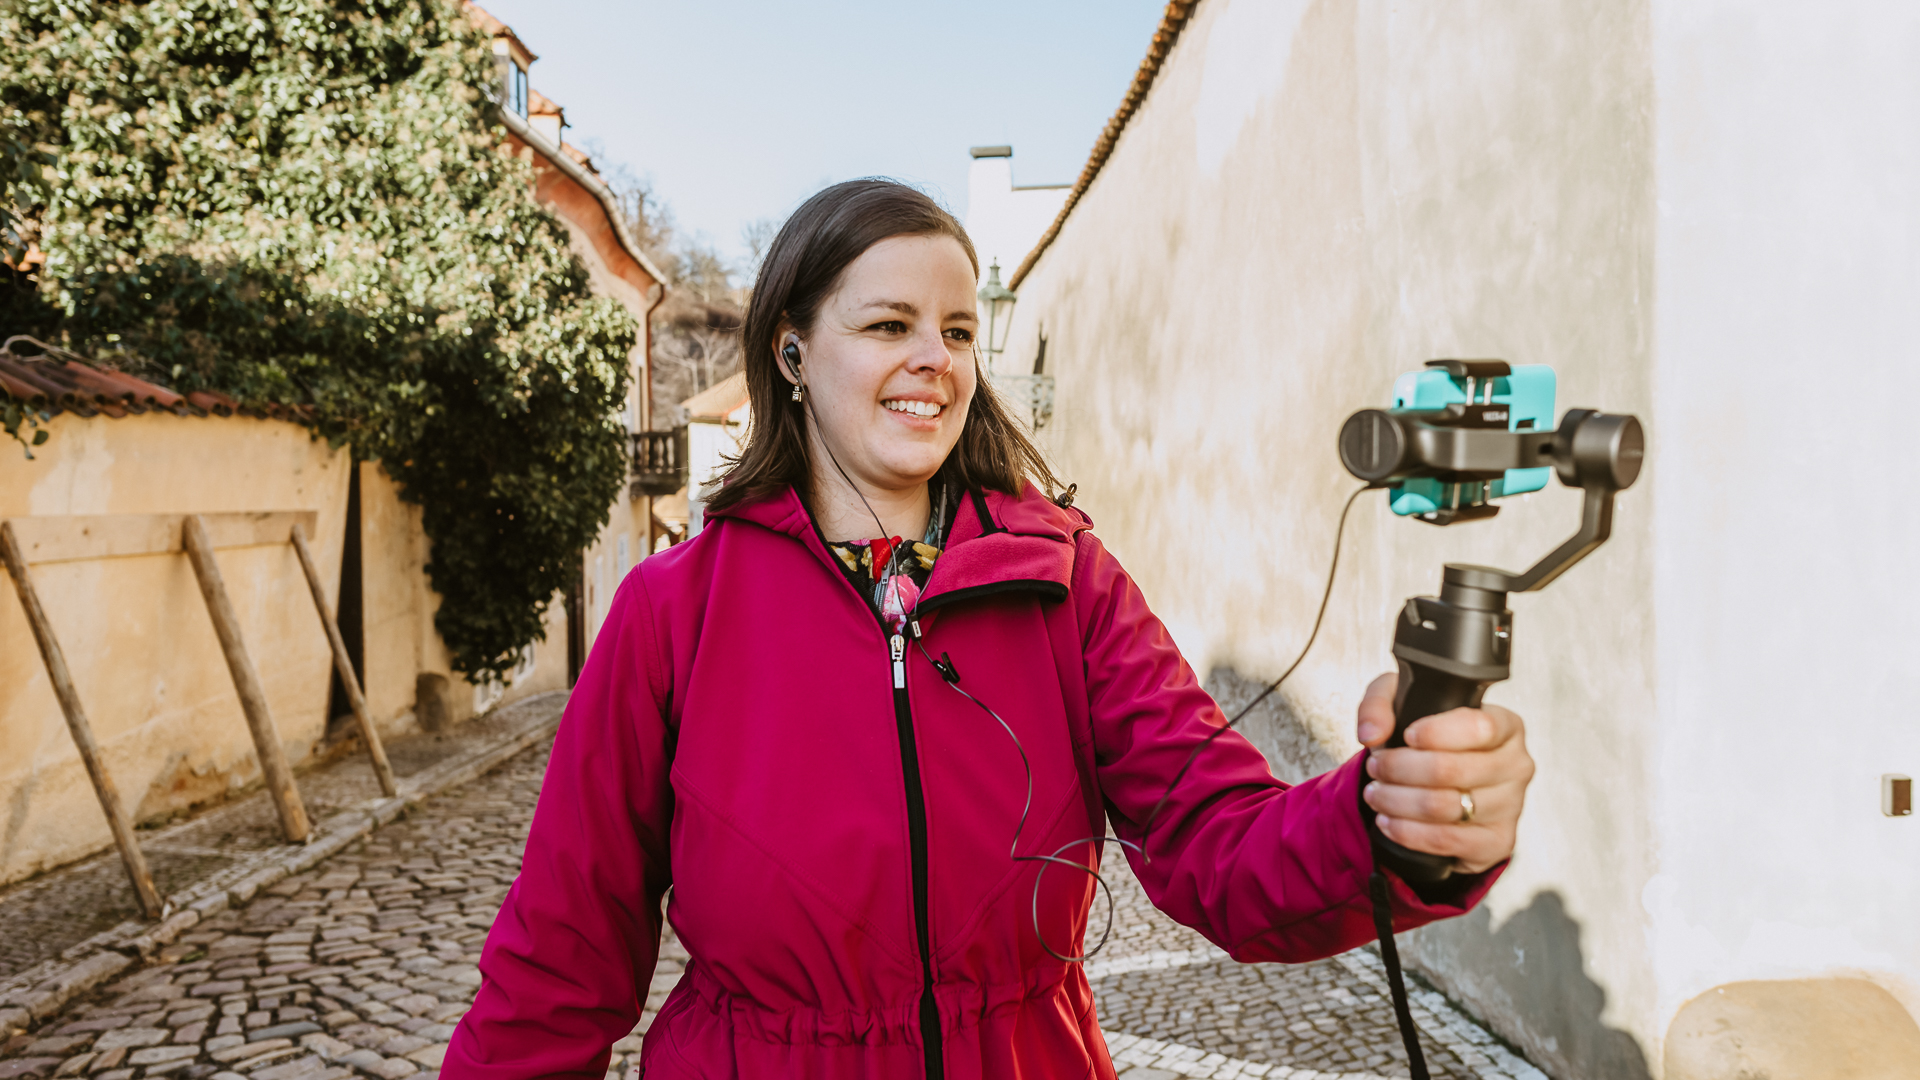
[607, 563]
[1713, 200]
[138, 639]
[136, 632]
[614, 273]
[137, 635]
[398, 605]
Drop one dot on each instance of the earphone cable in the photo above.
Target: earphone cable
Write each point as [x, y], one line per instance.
[952, 679]
[1326, 594]
[1378, 889]
[953, 682]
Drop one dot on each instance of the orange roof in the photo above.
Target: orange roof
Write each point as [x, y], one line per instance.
[490, 25]
[539, 104]
[718, 400]
[579, 156]
[58, 381]
[1172, 21]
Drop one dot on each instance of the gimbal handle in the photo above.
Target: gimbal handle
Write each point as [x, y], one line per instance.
[1450, 648]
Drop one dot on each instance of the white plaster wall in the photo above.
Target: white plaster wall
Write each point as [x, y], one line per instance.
[710, 444]
[1315, 197]
[1788, 324]
[1700, 212]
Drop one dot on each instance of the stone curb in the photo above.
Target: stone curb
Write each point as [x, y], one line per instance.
[41, 990]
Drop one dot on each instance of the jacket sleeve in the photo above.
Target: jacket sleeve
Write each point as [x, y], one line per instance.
[1266, 871]
[566, 966]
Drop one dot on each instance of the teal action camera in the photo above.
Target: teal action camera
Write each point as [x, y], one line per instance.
[1527, 392]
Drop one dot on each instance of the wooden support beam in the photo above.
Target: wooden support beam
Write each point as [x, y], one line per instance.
[63, 688]
[70, 537]
[253, 698]
[343, 664]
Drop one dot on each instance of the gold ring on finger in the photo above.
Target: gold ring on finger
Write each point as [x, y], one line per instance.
[1466, 807]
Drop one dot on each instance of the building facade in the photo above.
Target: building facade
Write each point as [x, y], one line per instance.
[566, 181]
[1701, 213]
[145, 660]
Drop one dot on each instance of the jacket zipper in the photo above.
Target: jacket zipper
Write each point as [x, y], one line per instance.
[930, 1036]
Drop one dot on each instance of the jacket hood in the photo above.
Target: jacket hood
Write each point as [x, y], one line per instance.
[999, 542]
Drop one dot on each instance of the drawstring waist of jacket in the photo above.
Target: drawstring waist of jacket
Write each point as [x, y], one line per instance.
[965, 1004]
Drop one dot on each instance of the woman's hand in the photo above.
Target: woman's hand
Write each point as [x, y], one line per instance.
[1416, 789]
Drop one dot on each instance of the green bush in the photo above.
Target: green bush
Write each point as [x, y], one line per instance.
[306, 202]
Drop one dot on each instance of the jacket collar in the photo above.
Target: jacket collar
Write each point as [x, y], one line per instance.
[998, 543]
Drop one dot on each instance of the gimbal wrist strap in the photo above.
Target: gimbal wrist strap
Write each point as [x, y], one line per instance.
[1383, 925]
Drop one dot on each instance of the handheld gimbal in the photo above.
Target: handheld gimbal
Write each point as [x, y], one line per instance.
[1452, 647]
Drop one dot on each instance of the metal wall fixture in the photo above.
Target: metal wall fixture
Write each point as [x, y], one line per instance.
[1034, 391]
[1896, 795]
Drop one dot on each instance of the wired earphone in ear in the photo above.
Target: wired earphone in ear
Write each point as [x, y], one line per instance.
[790, 352]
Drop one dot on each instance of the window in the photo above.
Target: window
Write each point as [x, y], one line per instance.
[517, 89]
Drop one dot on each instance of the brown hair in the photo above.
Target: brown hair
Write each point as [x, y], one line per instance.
[802, 268]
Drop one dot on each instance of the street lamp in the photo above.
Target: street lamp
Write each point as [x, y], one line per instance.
[1034, 391]
[999, 301]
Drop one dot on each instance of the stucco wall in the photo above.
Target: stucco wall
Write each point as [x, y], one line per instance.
[398, 605]
[1789, 636]
[141, 646]
[1698, 213]
[137, 635]
[621, 544]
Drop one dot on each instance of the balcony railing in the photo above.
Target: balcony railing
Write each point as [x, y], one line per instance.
[1033, 392]
[659, 461]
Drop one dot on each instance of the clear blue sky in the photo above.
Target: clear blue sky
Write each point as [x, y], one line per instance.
[739, 109]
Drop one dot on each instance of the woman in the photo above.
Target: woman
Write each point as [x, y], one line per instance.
[779, 720]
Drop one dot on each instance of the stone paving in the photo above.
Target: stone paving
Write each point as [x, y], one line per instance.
[361, 968]
[1159, 981]
[44, 916]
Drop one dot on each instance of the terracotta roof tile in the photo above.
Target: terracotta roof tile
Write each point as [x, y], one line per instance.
[58, 381]
[490, 25]
[580, 157]
[1172, 21]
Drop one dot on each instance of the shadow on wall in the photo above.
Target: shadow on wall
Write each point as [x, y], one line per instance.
[1271, 726]
[1527, 979]
[1529, 982]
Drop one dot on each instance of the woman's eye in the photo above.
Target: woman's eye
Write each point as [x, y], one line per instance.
[891, 326]
[961, 334]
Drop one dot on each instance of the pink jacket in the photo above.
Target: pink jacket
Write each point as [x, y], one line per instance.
[838, 848]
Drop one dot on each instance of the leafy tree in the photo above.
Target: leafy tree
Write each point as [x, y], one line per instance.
[307, 202]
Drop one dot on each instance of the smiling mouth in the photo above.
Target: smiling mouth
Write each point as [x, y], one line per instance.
[914, 408]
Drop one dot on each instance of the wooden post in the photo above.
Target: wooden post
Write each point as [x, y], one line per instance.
[343, 664]
[253, 699]
[63, 688]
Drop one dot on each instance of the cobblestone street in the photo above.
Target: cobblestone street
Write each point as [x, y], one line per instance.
[362, 967]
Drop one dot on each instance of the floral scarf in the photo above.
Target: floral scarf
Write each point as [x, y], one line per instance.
[911, 563]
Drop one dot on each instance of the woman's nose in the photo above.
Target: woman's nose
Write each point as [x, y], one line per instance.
[930, 355]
